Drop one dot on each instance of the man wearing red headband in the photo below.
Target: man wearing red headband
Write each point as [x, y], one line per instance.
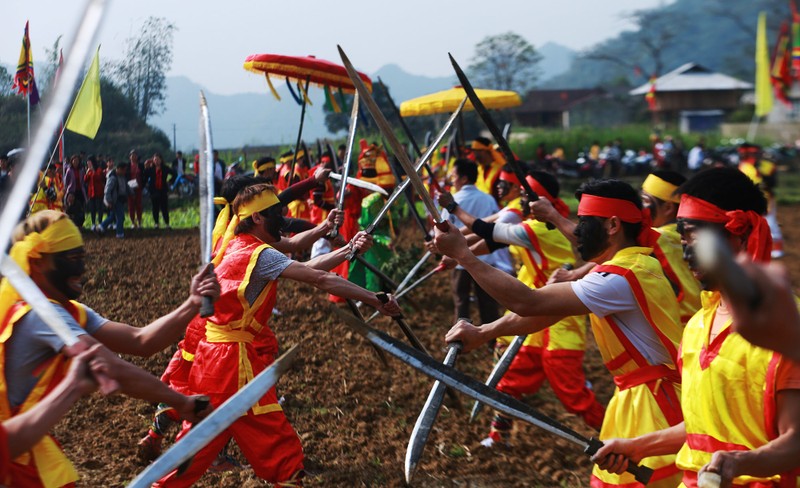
[742, 402]
[634, 316]
[555, 355]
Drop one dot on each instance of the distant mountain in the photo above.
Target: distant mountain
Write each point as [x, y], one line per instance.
[259, 119]
[556, 59]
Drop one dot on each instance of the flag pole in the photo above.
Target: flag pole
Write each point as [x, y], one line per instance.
[28, 98]
[751, 131]
[44, 173]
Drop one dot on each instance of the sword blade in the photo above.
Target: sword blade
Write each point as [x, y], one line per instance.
[484, 114]
[206, 169]
[359, 183]
[427, 417]
[216, 422]
[57, 104]
[351, 137]
[413, 272]
[387, 132]
[499, 371]
[478, 391]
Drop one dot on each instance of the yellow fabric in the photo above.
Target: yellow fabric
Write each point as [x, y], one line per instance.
[87, 111]
[569, 333]
[660, 189]
[670, 244]
[261, 202]
[448, 100]
[485, 179]
[223, 219]
[52, 465]
[187, 356]
[216, 333]
[259, 170]
[272, 88]
[750, 170]
[635, 411]
[763, 80]
[726, 400]
[59, 236]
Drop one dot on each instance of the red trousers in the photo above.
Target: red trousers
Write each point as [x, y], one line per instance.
[268, 441]
[564, 370]
[135, 205]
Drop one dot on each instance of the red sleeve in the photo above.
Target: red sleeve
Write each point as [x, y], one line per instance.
[787, 376]
[5, 457]
[297, 191]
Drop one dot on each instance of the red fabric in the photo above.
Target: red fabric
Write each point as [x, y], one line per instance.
[268, 441]
[158, 178]
[509, 177]
[318, 71]
[349, 228]
[5, 457]
[595, 206]
[95, 182]
[563, 370]
[737, 222]
[561, 207]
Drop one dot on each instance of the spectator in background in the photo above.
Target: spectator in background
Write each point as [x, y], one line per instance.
[95, 179]
[696, 156]
[179, 164]
[219, 173]
[5, 175]
[478, 204]
[74, 192]
[115, 195]
[157, 177]
[134, 177]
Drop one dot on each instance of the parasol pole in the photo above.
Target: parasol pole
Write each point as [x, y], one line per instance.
[299, 132]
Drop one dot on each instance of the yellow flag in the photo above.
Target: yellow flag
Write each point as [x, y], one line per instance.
[763, 82]
[87, 111]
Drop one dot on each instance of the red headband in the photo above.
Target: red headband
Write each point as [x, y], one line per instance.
[625, 210]
[509, 177]
[561, 207]
[737, 222]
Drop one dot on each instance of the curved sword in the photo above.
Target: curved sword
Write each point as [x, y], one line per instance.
[216, 422]
[397, 148]
[499, 371]
[206, 199]
[359, 183]
[477, 390]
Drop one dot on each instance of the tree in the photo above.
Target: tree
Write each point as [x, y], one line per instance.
[6, 80]
[505, 62]
[142, 74]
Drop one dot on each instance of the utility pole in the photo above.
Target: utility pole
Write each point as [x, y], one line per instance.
[174, 140]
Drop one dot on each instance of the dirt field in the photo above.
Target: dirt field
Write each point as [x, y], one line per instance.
[354, 418]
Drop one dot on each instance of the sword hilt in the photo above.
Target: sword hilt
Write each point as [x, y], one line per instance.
[641, 473]
[207, 307]
[200, 404]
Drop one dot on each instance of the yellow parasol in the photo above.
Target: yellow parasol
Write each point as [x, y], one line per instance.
[448, 100]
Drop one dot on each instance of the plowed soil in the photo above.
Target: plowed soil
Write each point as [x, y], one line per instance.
[353, 416]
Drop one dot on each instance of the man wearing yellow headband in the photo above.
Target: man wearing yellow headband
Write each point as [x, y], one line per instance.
[238, 342]
[742, 402]
[490, 163]
[49, 248]
[632, 308]
[658, 194]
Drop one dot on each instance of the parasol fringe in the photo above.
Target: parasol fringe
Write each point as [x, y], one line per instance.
[330, 100]
[294, 95]
[272, 88]
[303, 92]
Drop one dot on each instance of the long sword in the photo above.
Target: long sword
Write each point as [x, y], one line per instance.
[397, 148]
[398, 190]
[411, 287]
[351, 137]
[216, 422]
[427, 417]
[499, 371]
[484, 114]
[478, 391]
[26, 174]
[206, 198]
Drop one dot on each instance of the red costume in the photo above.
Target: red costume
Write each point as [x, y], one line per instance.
[238, 345]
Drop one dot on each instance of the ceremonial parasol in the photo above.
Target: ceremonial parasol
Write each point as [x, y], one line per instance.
[448, 100]
[304, 70]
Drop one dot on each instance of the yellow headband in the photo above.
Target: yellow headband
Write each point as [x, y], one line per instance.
[262, 201]
[660, 189]
[259, 169]
[59, 236]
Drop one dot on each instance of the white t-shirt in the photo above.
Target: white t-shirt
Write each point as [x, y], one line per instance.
[606, 294]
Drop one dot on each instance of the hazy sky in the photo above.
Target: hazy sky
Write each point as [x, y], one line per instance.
[214, 37]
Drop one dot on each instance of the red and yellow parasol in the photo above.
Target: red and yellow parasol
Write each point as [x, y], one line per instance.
[304, 70]
[446, 101]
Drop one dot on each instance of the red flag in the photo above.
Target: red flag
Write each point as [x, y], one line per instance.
[781, 72]
[651, 94]
[24, 81]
